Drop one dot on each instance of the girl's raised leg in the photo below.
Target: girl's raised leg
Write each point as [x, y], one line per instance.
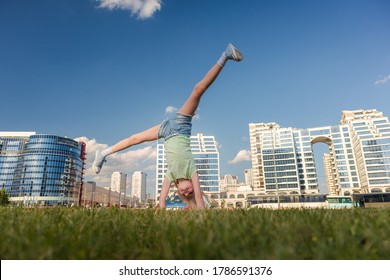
[193, 100]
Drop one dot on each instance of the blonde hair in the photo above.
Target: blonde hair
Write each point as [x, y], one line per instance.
[192, 203]
[190, 200]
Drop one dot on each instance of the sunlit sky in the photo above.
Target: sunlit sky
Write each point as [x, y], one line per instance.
[102, 70]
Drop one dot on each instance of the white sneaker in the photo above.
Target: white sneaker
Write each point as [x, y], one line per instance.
[233, 53]
[98, 162]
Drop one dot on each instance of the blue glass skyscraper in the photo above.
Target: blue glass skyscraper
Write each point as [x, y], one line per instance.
[41, 169]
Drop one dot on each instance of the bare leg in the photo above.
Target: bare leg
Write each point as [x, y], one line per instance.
[192, 102]
[138, 138]
[147, 135]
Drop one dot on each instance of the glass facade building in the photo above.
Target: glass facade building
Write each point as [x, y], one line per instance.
[41, 169]
[358, 158]
[206, 156]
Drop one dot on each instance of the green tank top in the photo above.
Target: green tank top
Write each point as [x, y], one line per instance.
[181, 164]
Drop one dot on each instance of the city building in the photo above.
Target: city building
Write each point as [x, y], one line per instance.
[228, 183]
[370, 138]
[206, 155]
[328, 174]
[233, 199]
[138, 185]
[358, 161]
[40, 169]
[248, 177]
[95, 196]
[118, 182]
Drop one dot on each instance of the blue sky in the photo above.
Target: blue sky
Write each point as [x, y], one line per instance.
[102, 70]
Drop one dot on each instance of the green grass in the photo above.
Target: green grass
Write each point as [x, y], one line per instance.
[116, 234]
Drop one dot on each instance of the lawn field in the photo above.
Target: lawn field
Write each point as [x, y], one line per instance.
[147, 234]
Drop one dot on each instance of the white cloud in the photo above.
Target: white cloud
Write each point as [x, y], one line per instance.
[143, 8]
[243, 155]
[170, 109]
[384, 80]
[128, 161]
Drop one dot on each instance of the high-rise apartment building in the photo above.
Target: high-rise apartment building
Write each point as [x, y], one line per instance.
[370, 139]
[138, 185]
[118, 182]
[248, 177]
[358, 161]
[206, 155]
[41, 169]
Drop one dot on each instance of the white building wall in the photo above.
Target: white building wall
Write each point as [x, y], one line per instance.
[118, 182]
[138, 185]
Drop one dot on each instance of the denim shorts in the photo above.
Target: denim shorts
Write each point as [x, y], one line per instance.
[177, 124]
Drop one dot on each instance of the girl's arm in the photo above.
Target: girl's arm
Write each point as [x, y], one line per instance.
[197, 191]
[164, 192]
